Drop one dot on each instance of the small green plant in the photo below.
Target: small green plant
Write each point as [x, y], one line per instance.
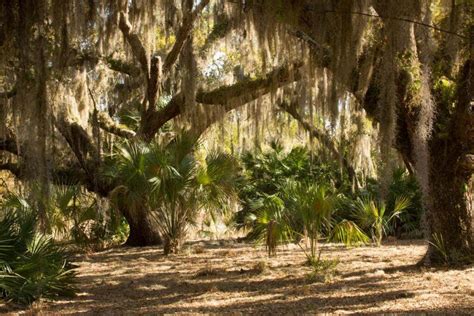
[270, 223]
[440, 246]
[349, 234]
[322, 270]
[373, 216]
[168, 185]
[266, 173]
[314, 207]
[408, 223]
[301, 212]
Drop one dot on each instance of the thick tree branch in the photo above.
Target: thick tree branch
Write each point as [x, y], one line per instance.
[63, 176]
[228, 96]
[79, 58]
[85, 173]
[182, 35]
[153, 83]
[69, 175]
[88, 172]
[122, 66]
[249, 90]
[151, 70]
[108, 124]
[135, 43]
[79, 142]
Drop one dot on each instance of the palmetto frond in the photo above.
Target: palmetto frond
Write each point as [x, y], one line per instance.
[271, 225]
[31, 265]
[348, 233]
[373, 216]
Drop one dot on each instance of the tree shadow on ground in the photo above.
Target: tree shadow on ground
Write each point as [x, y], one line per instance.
[143, 280]
[285, 292]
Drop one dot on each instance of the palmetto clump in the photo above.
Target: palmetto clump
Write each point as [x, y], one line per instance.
[171, 185]
[373, 215]
[31, 264]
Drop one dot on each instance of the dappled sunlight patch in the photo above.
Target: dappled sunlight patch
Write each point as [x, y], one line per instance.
[366, 280]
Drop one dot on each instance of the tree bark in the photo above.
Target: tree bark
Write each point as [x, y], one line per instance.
[449, 214]
[142, 231]
[450, 209]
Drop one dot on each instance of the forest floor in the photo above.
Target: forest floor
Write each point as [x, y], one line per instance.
[233, 278]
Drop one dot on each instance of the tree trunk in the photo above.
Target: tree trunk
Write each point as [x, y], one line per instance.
[450, 210]
[449, 217]
[142, 231]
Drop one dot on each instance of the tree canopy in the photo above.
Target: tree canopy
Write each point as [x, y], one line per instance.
[77, 77]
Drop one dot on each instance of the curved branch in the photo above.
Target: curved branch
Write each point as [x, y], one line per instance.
[77, 57]
[135, 43]
[122, 66]
[230, 96]
[62, 176]
[249, 90]
[88, 171]
[182, 35]
[108, 124]
[79, 142]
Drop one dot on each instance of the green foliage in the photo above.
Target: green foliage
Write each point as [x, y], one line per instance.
[322, 270]
[129, 169]
[169, 184]
[405, 185]
[440, 246]
[31, 264]
[348, 233]
[270, 224]
[373, 216]
[286, 197]
[265, 173]
[73, 214]
[301, 211]
[313, 207]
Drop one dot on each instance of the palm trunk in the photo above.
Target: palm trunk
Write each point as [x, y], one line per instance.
[378, 234]
[172, 245]
[174, 240]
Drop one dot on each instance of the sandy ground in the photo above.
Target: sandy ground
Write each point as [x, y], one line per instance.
[227, 278]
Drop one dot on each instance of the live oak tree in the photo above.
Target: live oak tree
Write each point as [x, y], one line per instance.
[72, 73]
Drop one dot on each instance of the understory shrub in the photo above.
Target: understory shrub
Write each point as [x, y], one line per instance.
[32, 266]
[170, 185]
